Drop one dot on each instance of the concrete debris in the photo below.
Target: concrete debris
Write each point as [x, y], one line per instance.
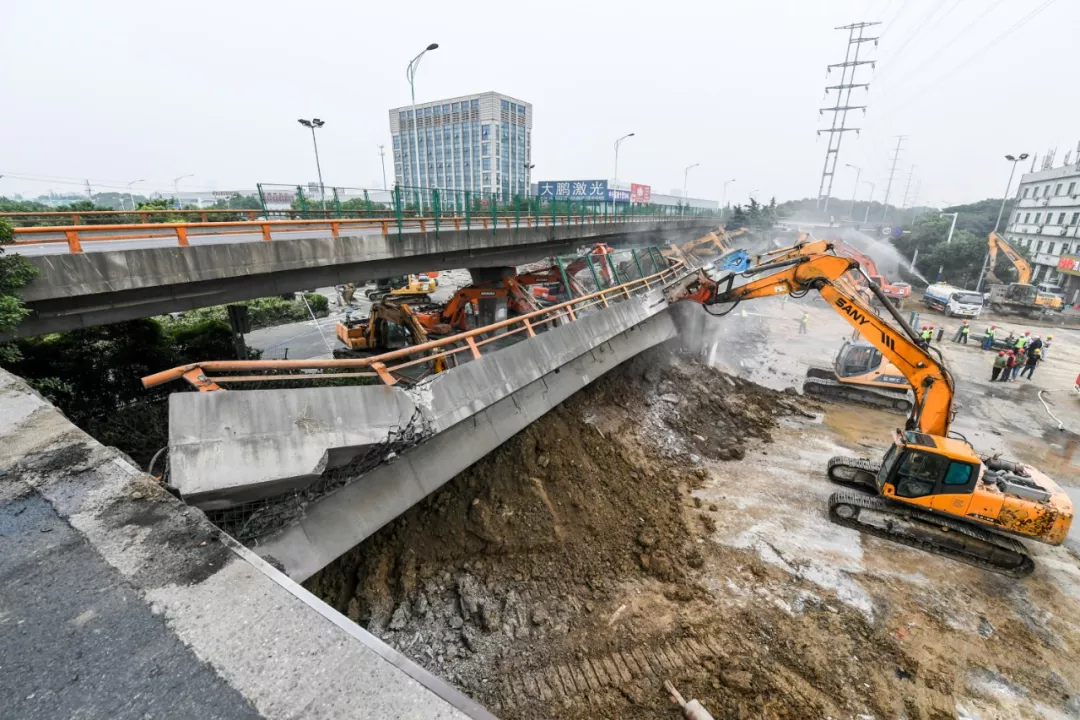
[400, 617]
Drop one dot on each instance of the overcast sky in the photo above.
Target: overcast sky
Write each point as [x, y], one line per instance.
[116, 91]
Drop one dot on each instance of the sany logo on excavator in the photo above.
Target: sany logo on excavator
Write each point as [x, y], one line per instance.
[853, 312]
[860, 317]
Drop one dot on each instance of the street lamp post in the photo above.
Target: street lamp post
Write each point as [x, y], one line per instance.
[382, 158]
[1014, 160]
[952, 227]
[528, 187]
[615, 190]
[685, 175]
[986, 263]
[726, 182]
[132, 199]
[948, 240]
[176, 187]
[312, 124]
[858, 174]
[866, 217]
[410, 75]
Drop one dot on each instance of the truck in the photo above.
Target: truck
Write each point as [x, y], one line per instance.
[953, 301]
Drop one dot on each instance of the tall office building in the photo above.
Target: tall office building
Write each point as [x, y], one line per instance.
[480, 143]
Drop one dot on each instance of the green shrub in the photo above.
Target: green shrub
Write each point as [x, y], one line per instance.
[7, 232]
[320, 304]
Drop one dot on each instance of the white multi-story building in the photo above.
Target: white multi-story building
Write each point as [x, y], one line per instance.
[1046, 223]
[480, 143]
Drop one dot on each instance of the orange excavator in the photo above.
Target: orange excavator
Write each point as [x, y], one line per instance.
[492, 299]
[930, 490]
[896, 292]
[859, 372]
[1020, 297]
[712, 244]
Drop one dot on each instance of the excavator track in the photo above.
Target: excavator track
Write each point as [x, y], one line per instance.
[853, 472]
[931, 532]
[828, 388]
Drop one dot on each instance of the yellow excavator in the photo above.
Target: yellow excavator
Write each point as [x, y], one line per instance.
[1020, 297]
[930, 490]
[404, 288]
[859, 373]
[387, 327]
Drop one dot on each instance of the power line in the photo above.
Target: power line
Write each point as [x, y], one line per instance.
[1013, 28]
[899, 11]
[952, 41]
[885, 9]
[914, 33]
[888, 62]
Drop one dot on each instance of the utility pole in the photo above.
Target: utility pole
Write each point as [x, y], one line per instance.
[848, 69]
[382, 156]
[89, 192]
[907, 188]
[858, 174]
[888, 188]
[869, 202]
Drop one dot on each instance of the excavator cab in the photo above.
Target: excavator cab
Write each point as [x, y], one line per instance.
[861, 374]
[920, 466]
[857, 359]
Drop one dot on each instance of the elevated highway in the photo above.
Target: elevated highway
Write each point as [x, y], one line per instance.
[100, 274]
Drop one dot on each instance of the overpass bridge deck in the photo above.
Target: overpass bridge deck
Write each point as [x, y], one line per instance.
[82, 288]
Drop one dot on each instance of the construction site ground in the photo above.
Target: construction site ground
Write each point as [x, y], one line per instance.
[669, 522]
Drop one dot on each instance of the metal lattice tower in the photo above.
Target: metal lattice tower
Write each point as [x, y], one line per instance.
[892, 172]
[848, 69]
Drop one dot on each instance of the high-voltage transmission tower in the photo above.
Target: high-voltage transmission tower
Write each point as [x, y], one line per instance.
[848, 70]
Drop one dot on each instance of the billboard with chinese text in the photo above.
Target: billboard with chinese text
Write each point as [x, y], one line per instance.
[572, 190]
[619, 196]
[640, 194]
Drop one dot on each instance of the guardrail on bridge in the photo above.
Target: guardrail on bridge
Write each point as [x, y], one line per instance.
[389, 368]
[182, 233]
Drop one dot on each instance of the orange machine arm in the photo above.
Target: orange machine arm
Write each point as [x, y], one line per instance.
[930, 380]
[1023, 268]
[805, 246]
[865, 261]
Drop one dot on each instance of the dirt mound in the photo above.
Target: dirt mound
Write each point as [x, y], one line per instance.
[538, 574]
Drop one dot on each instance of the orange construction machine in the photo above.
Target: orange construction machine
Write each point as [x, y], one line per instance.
[930, 490]
[897, 292]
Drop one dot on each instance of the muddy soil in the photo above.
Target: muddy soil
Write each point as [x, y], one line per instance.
[668, 522]
[561, 576]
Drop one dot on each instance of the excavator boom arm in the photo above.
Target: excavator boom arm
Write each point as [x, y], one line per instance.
[1023, 267]
[805, 246]
[930, 380]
